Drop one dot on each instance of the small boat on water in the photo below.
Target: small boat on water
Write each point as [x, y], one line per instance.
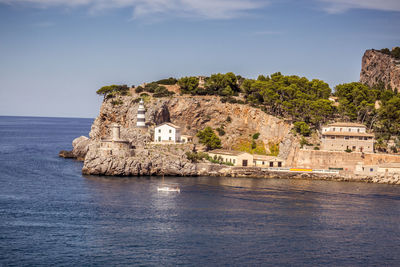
[168, 188]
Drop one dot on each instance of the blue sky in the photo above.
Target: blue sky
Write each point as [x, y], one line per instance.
[54, 54]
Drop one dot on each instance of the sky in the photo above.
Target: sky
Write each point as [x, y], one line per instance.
[55, 54]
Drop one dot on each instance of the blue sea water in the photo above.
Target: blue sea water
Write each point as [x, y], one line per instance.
[52, 215]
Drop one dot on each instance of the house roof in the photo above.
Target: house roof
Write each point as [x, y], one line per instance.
[347, 124]
[348, 134]
[185, 135]
[227, 152]
[169, 124]
[266, 158]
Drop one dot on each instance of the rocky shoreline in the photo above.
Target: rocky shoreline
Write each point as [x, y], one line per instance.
[170, 161]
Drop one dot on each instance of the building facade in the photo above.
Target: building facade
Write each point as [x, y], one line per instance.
[342, 136]
[237, 158]
[167, 133]
[268, 161]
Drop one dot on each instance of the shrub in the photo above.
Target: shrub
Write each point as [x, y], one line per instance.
[139, 89]
[116, 102]
[228, 119]
[221, 131]
[169, 81]
[348, 150]
[162, 91]
[256, 135]
[316, 148]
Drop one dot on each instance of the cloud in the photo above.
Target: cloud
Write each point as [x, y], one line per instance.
[207, 9]
[340, 6]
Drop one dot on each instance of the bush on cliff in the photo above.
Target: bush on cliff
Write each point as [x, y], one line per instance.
[169, 81]
[189, 85]
[208, 138]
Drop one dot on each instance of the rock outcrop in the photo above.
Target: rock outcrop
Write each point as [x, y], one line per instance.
[80, 147]
[380, 67]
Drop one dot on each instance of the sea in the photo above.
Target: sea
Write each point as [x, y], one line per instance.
[52, 215]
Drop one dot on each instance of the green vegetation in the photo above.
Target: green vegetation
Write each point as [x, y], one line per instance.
[189, 85]
[196, 157]
[117, 102]
[169, 81]
[250, 146]
[291, 97]
[228, 119]
[112, 90]
[221, 131]
[348, 150]
[256, 135]
[394, 53]
[302, 128]
[209, 138]
[155, 89]
[273, 148]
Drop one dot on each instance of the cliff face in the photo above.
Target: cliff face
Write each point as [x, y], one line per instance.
[191, 113]
[377, 66]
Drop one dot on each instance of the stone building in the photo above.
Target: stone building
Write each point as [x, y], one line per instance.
[343, 136]
[167, 133]
[115, 145]
[268, 161]
[237, 158]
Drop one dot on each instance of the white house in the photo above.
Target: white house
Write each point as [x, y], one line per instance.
[167, 132]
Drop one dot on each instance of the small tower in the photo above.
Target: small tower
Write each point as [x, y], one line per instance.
[141, 115]
[115, 132]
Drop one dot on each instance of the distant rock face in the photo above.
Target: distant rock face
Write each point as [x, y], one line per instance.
[379, 67]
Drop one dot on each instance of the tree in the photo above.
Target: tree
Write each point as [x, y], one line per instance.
[302, 128]
[111, 90]
[209, 138]
[188, 84]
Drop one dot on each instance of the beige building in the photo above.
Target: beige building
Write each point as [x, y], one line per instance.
[237, 158]
[268, 161]
[341, 136]
[389, 168]
[186, 138]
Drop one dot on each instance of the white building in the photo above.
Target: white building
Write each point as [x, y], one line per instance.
[167, 132]
[141, 115]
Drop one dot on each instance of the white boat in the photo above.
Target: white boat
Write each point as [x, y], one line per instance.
[165, 188]
[168, 188]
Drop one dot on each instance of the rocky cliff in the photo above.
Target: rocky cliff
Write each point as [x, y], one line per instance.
[380, 67]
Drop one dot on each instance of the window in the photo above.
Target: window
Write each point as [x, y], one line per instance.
[349, 129]
[365, 138]
[340, 129]
[358, 130]
[371, 170]
[332, 137]
[234, 161]
[346, 138]
[279, 164]
[159, 139]
[263, 163]
[159, 130]
[333, 129]
[354, 147]
[169, 138]
[271, 164]
[360, 138]
[170, 131]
